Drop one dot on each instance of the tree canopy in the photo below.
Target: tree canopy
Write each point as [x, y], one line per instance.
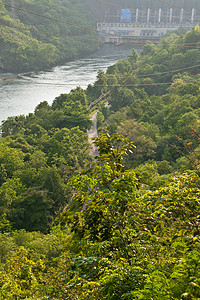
[29, 41]
[124, 224]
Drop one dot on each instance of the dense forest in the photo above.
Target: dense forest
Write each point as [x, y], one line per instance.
[34, 34]
[124, 225]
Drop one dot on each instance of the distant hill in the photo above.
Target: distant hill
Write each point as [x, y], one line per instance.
[31, 42]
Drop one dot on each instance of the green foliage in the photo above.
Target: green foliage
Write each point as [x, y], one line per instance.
[121, 97]
[22, 276]
[151, 121]
[118, 241]
[100, 119]
[148, 244]
[5, 225]
[30, 42]
[74, 107]
[104, 229]
[32, 210]
[38, 154]
[100, 191]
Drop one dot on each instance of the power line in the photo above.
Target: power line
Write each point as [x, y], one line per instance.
[132, 39]
[159, 73]
[97, 85]
[172, 5]
[125, 77]
[171, 71]
[69, 23]
[64, 22]
[139, 76]
[24, 80]
[141, 84]
[79, 37]
[113, 4]
[49, 18]
[49, 33]
[90, 39]
[102, 85]
[61, 21]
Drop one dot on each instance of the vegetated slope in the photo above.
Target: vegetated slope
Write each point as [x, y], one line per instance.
[154, 98]
[125, 226]
[31, 42]
[38, 154]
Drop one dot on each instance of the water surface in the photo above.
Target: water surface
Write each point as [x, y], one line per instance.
[21, 93]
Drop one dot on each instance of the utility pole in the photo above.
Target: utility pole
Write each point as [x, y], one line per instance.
[170, 15]
[148, 15]
[181, 15]
[1, 64]
[137, 14]
[13, 12]
[192, 17]
[159, 15]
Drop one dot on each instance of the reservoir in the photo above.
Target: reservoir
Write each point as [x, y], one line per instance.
[21, 93]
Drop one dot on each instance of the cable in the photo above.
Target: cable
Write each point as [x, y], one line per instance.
[68, 23]
[132, 39]
[113, 4]
[77, 37]
[51, 34]
[98, 85]
[172, 5]
[160, 73]
[102, 85]
[80, 37]
[171, 71]
[49, 18]
[27, 80]
[90, 39]
[61, 21]
[140, 76]
[64, 22]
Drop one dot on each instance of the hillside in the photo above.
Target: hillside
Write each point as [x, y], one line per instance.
[125, 225]
[31, 42]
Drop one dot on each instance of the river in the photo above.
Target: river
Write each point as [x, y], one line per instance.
[21, 93]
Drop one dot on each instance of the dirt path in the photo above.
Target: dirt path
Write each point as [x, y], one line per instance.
[93, 133]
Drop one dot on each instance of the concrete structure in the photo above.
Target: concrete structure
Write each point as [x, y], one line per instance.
[119, 33]
[1, 64]
[144, 25]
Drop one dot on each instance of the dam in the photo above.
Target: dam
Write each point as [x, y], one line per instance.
[126, 25]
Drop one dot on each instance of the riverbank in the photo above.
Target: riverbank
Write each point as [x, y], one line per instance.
[22, 95]
[36, 36]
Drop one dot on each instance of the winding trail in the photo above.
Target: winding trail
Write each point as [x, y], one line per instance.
[93, 133]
